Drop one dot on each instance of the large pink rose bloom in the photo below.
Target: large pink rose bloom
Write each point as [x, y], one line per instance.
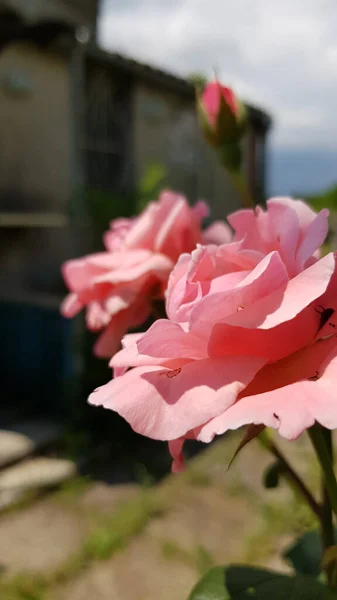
[117, 286]
[250, 336]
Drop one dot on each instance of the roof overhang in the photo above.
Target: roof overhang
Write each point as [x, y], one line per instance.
[260, 119]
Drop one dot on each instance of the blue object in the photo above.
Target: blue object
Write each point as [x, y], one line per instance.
[35, 358]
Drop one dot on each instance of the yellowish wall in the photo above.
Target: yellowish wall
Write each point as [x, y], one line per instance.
[35, 125]
[35, 168]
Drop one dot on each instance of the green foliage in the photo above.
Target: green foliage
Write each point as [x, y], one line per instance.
[129, 520]
[199, 558]
[199, 80]
[306, 554]
[73, 489]
[197, 477]
[103, 206]
[24, 587]
[150, 185]
[247, 583]
[271, 477]
[326, 199]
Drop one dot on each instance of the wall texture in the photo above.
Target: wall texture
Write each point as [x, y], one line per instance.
[35, 124]
[35, 163]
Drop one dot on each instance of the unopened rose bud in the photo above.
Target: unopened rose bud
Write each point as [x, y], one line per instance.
[221, 114]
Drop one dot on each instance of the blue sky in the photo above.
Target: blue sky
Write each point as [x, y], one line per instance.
[280, 55]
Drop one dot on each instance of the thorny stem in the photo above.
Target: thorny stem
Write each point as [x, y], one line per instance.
[291, 475]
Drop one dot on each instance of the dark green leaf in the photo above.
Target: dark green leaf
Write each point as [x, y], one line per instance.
[306, 554]
[247, 583]
[271, 477]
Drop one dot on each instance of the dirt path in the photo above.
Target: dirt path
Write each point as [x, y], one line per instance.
[125, 542]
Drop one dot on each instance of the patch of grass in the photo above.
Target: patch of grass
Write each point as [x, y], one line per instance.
[73, 566]
[128, 521]
[199, 558]
[204, 560]
[71, 490]
[236, 488]
[293, 517]
[27, 498]
[24, 587]
[113, 534]
[197, 478]
[171, 550]
[278, 519]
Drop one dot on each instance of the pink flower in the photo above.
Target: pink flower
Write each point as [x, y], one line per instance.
[211, 98]
[117, 286]
[250, 337]
[221, 114]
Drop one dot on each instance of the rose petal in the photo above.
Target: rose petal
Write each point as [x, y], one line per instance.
[176, 451]
[268, 276]
[165, 404]
[71, 306]
[299, 390]
[165, 339]
[217, 233]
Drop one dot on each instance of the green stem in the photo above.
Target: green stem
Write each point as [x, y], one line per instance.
[322, 450]
[327, 529]
[291, 475]
[327, 523]
[242, 187]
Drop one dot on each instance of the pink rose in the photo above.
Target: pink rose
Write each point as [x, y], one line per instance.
[221, 114]
[250, 337]
[117, 286]
[211, 98]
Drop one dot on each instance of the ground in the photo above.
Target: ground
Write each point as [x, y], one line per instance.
[121, 542]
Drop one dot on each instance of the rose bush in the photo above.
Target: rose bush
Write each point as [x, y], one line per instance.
[250, 336]
[118, 286]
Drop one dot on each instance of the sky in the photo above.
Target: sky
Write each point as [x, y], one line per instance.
[279, 55]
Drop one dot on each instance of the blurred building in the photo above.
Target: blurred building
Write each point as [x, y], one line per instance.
[75, 118]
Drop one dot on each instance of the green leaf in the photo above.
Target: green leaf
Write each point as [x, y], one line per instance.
[306, 554]
[271, 477]
[212, 586]
[248, 583]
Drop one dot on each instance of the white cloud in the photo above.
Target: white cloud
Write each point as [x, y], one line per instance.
[280, 55]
